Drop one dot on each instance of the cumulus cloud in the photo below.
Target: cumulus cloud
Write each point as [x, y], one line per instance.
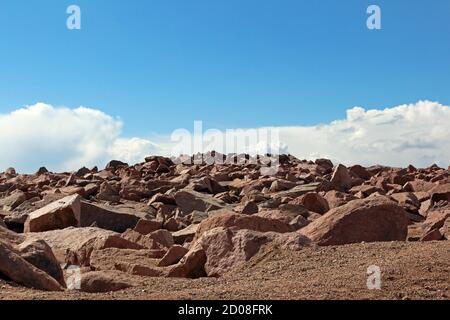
[66, 139]
[133, 150]
[415, 134]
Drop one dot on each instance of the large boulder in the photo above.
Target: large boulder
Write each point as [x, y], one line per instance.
[372, 219]
[108, 193]
[360, 172]
[173, 256]
[104, 281]
[136, 262]
[12, 201]
[336, 198]
[185, 235]
[313, 202]
[418, 186]
[148, 226]
[75, 245]
[106, 217]
[440, 193]
[240, 221]
[341, 179]
[39, 254]
[10, 236]
[207, 184]
[228, 248]
[407, 201]
[189, 200]
[16, 268]
[71, 211]
[435, 220]
[192, 265]
[115, 164]
[60, 214]
[140, 239]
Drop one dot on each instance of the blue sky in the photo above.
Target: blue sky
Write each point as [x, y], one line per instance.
[161, 64]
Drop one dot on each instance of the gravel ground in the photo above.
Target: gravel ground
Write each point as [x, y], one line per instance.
[410, 270]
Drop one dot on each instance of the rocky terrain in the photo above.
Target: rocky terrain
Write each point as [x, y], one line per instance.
[184, 228]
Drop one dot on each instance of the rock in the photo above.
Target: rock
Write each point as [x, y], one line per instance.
[207, 184]
[90, 190]
[83, 172]
[185, 235]
[171, 225]
[336, 198]
[407, 201]
[249, 207]
[313, 202]
[298, 222]
[164, 211]
[425, 206]
[115, 164]
[293, 210]
[12, 201]
[227, 248]
[135, 262]
[106, 217]
[163, 198]
[326, 164]
[239, 221]
[75, 245]
[198, 216]
[281, 185]
[341, 178]
[297, 191]
[162, 168]
[363, 191]
[13, 266]
[192, 265]
[2, 223]
[440, 193]
[5, 186]
[433, 235]
[281, 215]
[370, 220]
[189, 201]
[418, 186]
[140, 239]
[400, 177]
[173, 256]
[108, 193]
[57, 215]
[435, 220]
[445, 230]
[42, 170]
[104, 281]
[148, 226]
[40, 255]
[10, 171]
[10, 236]
[163, 237]
[360, 172]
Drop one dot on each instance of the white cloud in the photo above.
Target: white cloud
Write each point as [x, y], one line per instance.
[415, 134]
[63, 139]
[66, 139]
[132, 150]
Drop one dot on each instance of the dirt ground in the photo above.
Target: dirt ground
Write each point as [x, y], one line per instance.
[410, 270]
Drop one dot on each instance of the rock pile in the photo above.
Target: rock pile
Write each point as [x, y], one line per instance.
[97, 230]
